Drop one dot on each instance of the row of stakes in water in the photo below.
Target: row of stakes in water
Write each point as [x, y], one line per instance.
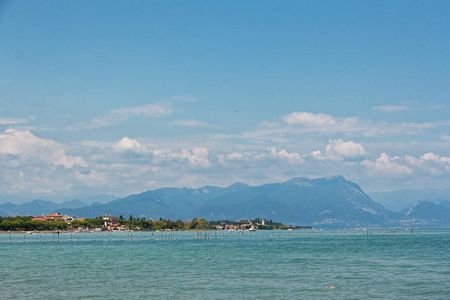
[173, 235]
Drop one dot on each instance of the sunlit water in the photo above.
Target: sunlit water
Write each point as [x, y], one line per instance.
[226, 265]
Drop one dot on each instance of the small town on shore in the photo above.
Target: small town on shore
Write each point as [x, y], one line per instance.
[53, 222]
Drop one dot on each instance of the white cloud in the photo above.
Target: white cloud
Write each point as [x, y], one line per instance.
[190, 123]
[24, 143]
[12, 121]
[437, 158]
[424, 126]
[59, 157]
[392, 108]
[116, 116]
[235, 156]
[308, 119]
[318, 155]
[292, 157]
[92, 178]
[341, 150]
[198, 157]
[298, 124]
[36, 177]
[246, 156]
[430, 163]
[437, 107]
[385, 165]
[258, 157]
[127, 144]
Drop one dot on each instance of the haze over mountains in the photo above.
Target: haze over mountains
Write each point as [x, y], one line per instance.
[404, 199]
[321, 202]
[86, 198]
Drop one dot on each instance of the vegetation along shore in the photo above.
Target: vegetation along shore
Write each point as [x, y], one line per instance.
[103, 223]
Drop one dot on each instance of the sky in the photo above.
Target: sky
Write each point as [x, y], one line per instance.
[121, 97]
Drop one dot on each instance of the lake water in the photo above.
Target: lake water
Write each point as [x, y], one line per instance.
[227, 265]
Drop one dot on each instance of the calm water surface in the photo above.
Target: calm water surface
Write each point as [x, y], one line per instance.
[226, 265]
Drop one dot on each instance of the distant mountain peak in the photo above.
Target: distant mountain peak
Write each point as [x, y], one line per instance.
[418, 204]
[425, 209]
[238, 186]
[36, 201]
[300, 181]
[336, 178]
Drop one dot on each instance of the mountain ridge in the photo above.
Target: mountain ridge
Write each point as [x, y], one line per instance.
[400, 200]
[297, 201]
[321, 202]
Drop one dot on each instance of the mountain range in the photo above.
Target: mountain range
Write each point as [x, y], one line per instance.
[321, 202]
[38, 207]
[400, 200]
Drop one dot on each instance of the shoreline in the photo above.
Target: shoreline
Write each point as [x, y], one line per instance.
[130, 230]
[365, 230]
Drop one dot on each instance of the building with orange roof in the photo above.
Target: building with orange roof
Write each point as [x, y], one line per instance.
[42, 218]
[48, 218]
[54, 217]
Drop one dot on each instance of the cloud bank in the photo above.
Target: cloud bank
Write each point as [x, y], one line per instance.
[297, 144]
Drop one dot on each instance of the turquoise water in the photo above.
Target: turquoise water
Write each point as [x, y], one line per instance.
[226, 265]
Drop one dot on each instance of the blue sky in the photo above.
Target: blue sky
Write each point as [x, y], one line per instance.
[120, 97]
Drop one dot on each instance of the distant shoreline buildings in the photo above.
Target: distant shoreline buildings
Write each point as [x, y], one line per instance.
[57, 221]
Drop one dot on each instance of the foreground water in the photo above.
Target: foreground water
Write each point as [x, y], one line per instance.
[226, 265]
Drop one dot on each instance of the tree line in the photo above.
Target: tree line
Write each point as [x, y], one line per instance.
[132, 223]
[27, 224]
